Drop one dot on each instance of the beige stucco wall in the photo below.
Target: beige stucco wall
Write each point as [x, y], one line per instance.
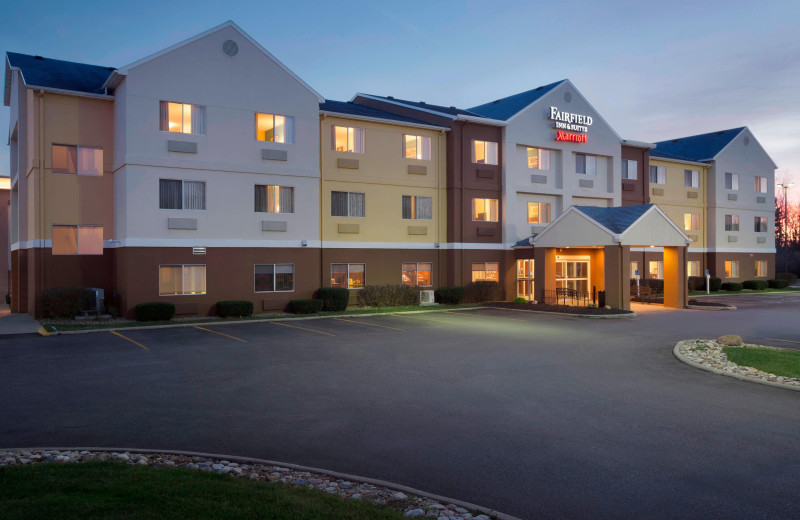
[675, 201]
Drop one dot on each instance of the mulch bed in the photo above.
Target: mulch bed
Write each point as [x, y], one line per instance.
[567, 309]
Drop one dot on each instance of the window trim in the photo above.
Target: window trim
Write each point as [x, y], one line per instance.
[662, 169]
[497, 152]
[693, 217]
[294, 284]
[256, 186]
[738, 269]
[419, 139]
[77, 159]
[286, 132]
[348, 264]
[417, 271]
[586, 163]
[539, 203]
[757, 219]
[734, 185]
[472, 209]
[348, 204]
[659, 269]
[759, 180]
[736, 224]
[184, 181]
[78, 239]
[413, 206]
[168, 131]
[690, 262]
[694, 175]
[539, 155]
[627, 170]
[183, 282]
[766, 269]
[484, 271]
[363, 139]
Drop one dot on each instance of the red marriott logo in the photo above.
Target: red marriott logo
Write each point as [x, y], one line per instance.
[566, 136]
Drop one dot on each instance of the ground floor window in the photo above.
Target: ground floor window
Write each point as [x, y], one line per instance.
[525, 279]
[693, 268]
[656, 269]
[731, 269]
[486, 272]
[761, 268]
[77, 240]
[417, 273]
[181, 279]
[349, 276]
[274, 277]
[634, 269]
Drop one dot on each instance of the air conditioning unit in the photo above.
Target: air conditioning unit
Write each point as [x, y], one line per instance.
[426, 298]
[94, 301]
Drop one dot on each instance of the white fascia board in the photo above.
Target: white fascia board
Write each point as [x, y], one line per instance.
[655, 208]
[404, 105]
[381, 120]
[638, 144]
[727, 145]
[52, 90]
[681, 161]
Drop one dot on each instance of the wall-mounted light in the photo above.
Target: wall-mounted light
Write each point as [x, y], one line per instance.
[304, 243]
[436, 245]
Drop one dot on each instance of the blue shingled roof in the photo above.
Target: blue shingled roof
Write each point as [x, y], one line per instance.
[453, 111]
[616, 219]
[703, 147]
[506, 107]
[66, 75]
[342, 107]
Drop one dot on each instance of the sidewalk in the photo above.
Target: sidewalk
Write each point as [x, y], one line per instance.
[17, 323]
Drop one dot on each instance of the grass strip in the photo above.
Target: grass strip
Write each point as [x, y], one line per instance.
[746, 291]
[781, 362]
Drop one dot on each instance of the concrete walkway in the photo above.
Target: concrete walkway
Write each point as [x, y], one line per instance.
[16, 323]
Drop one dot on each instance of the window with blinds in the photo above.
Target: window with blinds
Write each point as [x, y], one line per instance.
[274, 199]
[485, 210]
[417, 147]
[274, 277]
[182, 118]
[179, 194]
[417, 208]
[275, 128]
[80, 160]
[176, 280]
[349, 276]
[691, 178]
[347, 204]
[347, 139]
[77, 240]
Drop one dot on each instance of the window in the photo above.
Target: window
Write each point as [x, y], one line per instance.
[347, 139]
[349, 276]
[731, 181]
[629, 169]
[419, 274]
[538, 159]
[417, 147]
[278, 129]
[761, 268]
[177, 194]
[656, 269]
[634, 268]
[346, 204]
[586, 164]
[485, 272]
[525, 279]
[691, 222]
[274, 199]
[731, 269]
[658, 175]
[484, 210]
[81, 160]
[181, 279]
[760, 225]
[538, 212]
[691, 178]
[761, 184]
[183, 118]
[693, 268]
[274, 277]
[77, 240]
[417, 208]
[731, 222]
[484, 152]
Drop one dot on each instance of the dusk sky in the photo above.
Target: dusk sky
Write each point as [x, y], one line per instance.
[653, 72]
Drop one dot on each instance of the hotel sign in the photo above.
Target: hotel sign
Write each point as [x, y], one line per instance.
[563, 121]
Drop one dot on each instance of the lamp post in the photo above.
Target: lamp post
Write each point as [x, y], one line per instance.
[785, 187]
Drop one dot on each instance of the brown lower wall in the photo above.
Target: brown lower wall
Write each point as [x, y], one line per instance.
[747, 265]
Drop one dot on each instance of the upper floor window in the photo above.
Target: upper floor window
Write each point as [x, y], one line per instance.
[417, 147]
[177, 194]
[538, 158]
[538, 212]
[417, 273]
[731, 181]
[346, 204]
[278, 129]
[731, 222]
[183, 118]
[347, 139]
[417, 208]
[691, 221]
[761, 225]
[761, 184]
[658, 174]
[691, 178]
[485, 209]
[586, 164]
[82, 160]
[629, 169]
[77, 240]
[274, 199]
[484, 152]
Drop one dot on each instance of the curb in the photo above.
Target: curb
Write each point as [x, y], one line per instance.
[712, 308]
[298, 467]
[684, 359]
[632, 314]
[751, 293]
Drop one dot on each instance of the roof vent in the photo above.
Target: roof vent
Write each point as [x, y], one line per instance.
[567, 97]
[230, 48]
[496, 101]
[452, 107]
[421, 102]
[720, 133]
[38, 58]
[390, 97]
[675, 140]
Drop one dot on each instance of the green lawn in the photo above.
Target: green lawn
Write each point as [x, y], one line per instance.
[112, 490]
[745, 291]
[779, 362]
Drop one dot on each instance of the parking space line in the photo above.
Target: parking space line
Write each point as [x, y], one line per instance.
[302, 328]
[128, 339]
[424, 319]
[484, 316]
[370, 324]
[220, 333]
[784, 340]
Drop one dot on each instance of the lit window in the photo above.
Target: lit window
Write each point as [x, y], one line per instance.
[658, 175]
[486, 272]
[417, 274]
[691, 221]
[484, 210]
[347, 139]
[346, 204]
[693, 268]
[274, 277]
[278, 129]
[484, 152]
[77, 240]
[417, 208]
[731, 181]
[538, 159]
[656, 269]
[349, 276]
[274, 199]
[181, 279]
[81, 160]
[761, 184]
[538, 212]
[634, 268]
[629, 169]
[586, 164]
[761, 268]
[731, 222]
[525, 278]
[177, 194]
[691, 178]
[731, 269]
[760, 224]
[183, 118]
[417, 147]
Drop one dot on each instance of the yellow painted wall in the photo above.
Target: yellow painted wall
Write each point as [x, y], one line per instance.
[675, 201]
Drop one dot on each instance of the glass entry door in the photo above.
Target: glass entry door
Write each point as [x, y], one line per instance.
[525, 279]
[572, 273]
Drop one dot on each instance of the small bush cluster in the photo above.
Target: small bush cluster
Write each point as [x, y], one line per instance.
[483, 292]
[449, 295]
[234, 308]
[388, 295]
[732, 286]
[755, 285]
[790, 277]
[63, 302]
[305, 306]
[333, 298]
[778, 284]
[520, 300]
[697, 283]
[715, 283]
[154, 311]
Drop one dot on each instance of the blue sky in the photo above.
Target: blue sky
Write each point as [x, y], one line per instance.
[653, 70]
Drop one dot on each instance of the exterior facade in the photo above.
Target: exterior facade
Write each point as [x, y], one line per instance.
[5, 244]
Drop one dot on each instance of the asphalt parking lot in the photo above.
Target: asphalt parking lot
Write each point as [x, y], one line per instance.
[535, 415]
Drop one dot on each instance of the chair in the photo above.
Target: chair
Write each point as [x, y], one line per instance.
[641, 294]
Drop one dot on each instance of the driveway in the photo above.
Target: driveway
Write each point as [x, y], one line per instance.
[538, 416]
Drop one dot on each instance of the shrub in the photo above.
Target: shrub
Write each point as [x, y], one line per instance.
[449, 295]
[333, 298]
[732, 286]
[234, 308]
[755, 285]
[8, 299]
[790, 277]
[62, 302]
[388, 295]
[305, 306]
[778, 284]
[697, 283]
[482, 292]
[715, 284]
[520, 300]
[154, 311]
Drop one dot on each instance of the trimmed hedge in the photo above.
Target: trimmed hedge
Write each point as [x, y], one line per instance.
[697, 283]
[450, 295]
[388, 295]
[755, 285]
[778, 284]
[715, 283]
[482, 292]
[154, 311]
[62, 302]
[732, 286]
[305, 306]
[790, 277]
[333, 298]
[234, 308]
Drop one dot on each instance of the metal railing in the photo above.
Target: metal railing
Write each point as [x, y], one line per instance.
[566, 296]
